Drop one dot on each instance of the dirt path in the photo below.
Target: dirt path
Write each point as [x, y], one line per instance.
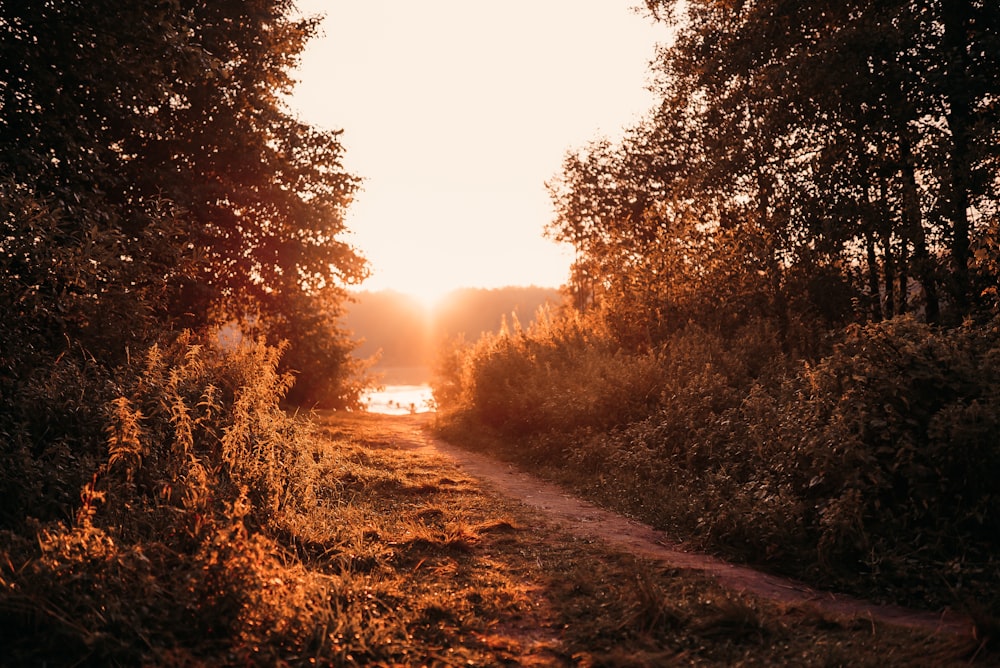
[588, 521]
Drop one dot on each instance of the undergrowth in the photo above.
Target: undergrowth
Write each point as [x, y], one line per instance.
[870, 469]
[366, 553]
[169, 549]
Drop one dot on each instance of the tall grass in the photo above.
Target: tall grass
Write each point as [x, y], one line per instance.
[198, 437]
[170, 547]
[870, 468]
[556, 374]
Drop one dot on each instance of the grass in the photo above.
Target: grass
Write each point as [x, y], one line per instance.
[867, 468]
[404, 560]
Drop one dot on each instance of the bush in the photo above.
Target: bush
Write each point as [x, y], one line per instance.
[900, 449]
[318, 352]
[872, 468]
[51, 421]
[199, 433]
[557, 374]
[170, 553]
[80, 297]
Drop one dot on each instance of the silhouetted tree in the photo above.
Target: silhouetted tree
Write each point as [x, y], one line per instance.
[173, 183]
[804, 158]
[907, 88]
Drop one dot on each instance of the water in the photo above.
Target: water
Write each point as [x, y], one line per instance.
[400, 400]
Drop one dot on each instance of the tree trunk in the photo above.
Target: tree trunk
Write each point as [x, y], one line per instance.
[957, 20]
[903, 276]
[888, 266]
[779, 303]
[922, 265]
[873, 284]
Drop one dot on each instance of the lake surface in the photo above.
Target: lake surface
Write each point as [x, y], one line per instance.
[400, 400]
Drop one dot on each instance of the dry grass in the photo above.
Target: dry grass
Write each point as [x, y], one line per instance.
[402, 560]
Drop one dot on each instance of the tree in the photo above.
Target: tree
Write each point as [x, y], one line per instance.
[831, 131]
[267, 192]
[179, 185]
[803, 157]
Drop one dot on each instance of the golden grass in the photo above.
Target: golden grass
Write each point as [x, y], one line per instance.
[402, 561]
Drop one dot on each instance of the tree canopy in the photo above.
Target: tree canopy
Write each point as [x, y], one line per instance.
[153, 176]
[834, 161]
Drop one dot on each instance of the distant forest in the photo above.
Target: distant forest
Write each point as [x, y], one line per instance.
[406, 336]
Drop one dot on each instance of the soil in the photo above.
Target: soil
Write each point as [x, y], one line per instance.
[590, 522]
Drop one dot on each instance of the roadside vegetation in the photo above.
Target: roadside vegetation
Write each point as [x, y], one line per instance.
[333, 546]
[781, 335]
[869, 470]
[156, 198]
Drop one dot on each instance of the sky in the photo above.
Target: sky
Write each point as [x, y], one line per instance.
[455, 113]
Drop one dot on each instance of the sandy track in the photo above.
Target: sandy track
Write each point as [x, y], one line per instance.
[588, 521]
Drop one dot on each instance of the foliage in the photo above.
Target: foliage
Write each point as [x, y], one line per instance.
[870, 469]
[398, 559]
[78, 301]
[180, 436]
[65, 280]
[320, 351]
[855, 141]
[554, 374]
[123, 215]
[182, 102]
[168, 551]
[152, 173]
[196, 435]
[902, 445]
[50, 437]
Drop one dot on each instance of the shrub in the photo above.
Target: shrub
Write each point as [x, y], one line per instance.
[556, 374]
[872, 468]
[170, 553]
[901, 446]
[51, 420]
[199, 433]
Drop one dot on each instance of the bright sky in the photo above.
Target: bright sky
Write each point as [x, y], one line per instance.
[455, 113]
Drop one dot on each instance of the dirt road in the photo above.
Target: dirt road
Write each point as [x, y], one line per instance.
[588, 521]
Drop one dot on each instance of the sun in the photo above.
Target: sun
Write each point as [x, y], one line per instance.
[430, 292]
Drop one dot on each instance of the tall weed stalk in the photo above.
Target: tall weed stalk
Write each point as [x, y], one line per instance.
[171, 547]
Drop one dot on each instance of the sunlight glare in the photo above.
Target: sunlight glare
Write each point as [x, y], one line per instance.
[430, 292]
[455, 132]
